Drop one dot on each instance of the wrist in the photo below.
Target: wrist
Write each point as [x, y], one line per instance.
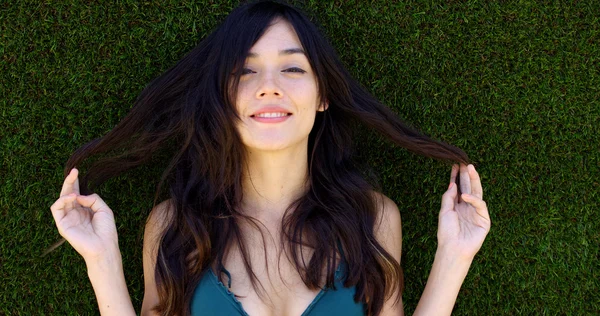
[449, 270]
[453, 262]
[448, 254]
[108, 281]
[106, 272]
[108, 261]
[443, 284]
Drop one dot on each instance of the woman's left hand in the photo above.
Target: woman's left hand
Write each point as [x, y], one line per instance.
[464, 221]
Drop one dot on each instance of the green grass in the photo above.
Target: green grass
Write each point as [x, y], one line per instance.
[513, 83]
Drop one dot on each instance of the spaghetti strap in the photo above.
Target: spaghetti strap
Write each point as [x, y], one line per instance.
[339, 243]
[222, 269]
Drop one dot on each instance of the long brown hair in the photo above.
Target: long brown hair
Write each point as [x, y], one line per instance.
[190, 106]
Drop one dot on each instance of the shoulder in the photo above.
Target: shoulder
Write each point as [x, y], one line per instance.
[388, 213]
[388, 232]
[388, 225]
[159, 215]
[157, 221]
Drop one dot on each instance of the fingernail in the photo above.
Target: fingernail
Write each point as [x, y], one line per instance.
[450, 186]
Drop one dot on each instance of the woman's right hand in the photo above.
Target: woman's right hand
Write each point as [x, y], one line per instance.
[86, 222]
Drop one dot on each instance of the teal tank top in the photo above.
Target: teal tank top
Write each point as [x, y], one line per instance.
[211, 297]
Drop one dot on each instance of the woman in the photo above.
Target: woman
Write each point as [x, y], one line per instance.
[262, 115]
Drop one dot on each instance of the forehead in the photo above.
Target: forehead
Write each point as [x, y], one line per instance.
[279, 36]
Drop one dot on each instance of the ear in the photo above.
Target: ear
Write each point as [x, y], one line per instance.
[323, 106]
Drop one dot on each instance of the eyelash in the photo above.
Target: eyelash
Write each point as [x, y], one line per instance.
[297, 70]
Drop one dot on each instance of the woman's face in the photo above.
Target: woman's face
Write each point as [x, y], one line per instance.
[275, 78]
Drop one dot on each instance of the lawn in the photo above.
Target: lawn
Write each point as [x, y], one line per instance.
[516, 84]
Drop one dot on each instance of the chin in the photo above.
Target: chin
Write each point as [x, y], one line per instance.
[275, 145]
[268, 147]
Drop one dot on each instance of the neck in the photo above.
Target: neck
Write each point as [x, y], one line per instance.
[273, 180]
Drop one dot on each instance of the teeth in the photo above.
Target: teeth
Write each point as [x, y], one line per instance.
[279, 114]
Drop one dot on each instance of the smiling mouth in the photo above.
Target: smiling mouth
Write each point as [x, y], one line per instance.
[272, 116]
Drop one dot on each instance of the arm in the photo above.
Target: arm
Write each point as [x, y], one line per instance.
[446, 277]
[464, 222]
[155, 225]
[463, 225]
[388, 232]
[107, 278]
[108, 281]
[88, 224]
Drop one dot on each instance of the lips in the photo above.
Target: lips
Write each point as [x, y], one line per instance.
[271, 109]
[270, 119]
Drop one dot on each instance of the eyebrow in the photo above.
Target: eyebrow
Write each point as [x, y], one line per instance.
[289, 51]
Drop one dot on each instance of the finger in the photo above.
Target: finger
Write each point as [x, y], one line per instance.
[68, 188]
[71, 183]
[465, 182]
[476, 188]
[479, 205]
[58, 209]
[448, 199]
[453, 175]
[94, 202]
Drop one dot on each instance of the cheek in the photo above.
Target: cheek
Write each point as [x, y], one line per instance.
[242, 92]
[306, 93]
[242, 99]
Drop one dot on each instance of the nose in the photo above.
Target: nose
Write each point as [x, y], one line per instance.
[268, 85]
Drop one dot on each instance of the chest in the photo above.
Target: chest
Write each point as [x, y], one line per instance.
[284, 291]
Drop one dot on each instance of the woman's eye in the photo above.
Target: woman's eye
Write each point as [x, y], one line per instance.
[296, 69]
[246, 71]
